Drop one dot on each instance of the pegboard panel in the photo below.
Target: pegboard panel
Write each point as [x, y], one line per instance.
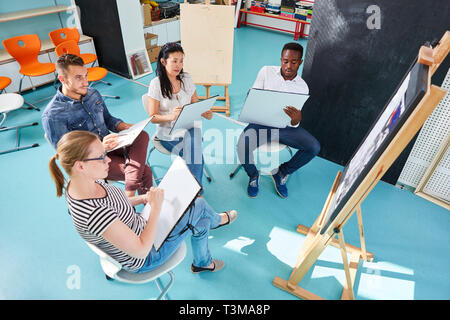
[431, 137]
[438, 184]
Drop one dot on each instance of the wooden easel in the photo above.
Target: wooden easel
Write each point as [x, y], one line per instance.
[226, 97]
[316, 242]
[208, 83]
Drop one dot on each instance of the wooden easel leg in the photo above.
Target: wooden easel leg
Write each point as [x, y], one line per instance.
[312, 248]
[225, 98]
[227, 101]
[334, 242]
[297, 291]
[361, 234]
[348, 288]
[304, 263]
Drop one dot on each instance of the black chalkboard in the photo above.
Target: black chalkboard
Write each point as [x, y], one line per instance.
[352, 70]
[100, 20]
[396, 111]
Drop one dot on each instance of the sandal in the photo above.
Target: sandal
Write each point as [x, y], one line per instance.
[218, 264]
[231, 215]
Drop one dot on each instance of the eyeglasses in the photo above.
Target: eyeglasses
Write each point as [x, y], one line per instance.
[103, 158]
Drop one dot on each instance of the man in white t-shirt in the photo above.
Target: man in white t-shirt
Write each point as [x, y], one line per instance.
[284, 78]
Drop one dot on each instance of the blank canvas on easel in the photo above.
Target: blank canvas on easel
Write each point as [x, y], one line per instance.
[207, 33]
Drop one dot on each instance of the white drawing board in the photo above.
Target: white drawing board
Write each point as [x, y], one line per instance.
[192, 112]
[265, 107]
[180, 189]
[127, 137]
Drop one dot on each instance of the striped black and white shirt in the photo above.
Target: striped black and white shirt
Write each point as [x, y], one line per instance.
[92, 217]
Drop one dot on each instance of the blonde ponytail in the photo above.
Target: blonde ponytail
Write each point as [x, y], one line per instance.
[73, 146]
[57, 176]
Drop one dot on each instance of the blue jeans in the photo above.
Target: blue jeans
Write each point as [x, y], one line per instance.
[190, 149]
[255, 135]
[197, 221]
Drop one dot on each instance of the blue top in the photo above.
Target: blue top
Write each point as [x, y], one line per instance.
[64, 114]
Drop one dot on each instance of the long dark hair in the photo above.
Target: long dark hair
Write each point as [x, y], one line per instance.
[166, 50]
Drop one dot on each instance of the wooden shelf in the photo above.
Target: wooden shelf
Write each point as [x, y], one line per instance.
[46, 46]
[155, 23]
[18, 15]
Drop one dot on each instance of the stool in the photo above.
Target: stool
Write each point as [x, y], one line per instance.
[113, 270]
[158, 146]
[10, 102]
[4, 82]
[269, 147]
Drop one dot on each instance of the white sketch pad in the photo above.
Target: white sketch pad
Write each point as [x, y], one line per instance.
[265, 107]
[180, 188]
[127, 137]
[191, 113]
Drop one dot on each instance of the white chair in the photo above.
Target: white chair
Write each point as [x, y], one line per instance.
[158, 146]
[8, 103]
[269, 147]
[113, 270]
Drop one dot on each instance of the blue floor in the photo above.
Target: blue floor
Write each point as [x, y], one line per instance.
[40, 251]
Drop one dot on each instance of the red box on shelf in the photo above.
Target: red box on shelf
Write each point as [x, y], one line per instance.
[257, 9]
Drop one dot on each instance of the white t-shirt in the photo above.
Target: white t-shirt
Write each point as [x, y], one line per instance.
[270, 78]
[166, 105]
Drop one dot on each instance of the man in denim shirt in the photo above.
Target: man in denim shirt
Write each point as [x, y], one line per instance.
[78, 107]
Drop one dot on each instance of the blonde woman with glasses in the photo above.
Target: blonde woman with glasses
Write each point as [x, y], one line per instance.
[104, 216]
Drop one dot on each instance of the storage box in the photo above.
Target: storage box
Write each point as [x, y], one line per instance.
[153, 53]
[286, 14]
[151, 40]
[287, 9]
[257, 9]
[156, 14]
[146, 12]
[273, 8]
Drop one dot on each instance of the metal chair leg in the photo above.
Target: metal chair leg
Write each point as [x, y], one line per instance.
[55, 81]
[3, 120]
[31, 106]
[205, 172]
[163, 294]
[17, 147]
[147, 162]
[290, 151]
[107, 83]
[238, 167]
[108, 96]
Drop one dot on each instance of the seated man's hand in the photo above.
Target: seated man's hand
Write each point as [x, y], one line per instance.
[294, 114]
[123, 126]
[207, 115]
[110, 141]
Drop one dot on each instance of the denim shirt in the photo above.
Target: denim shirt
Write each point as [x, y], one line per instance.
[64, 114]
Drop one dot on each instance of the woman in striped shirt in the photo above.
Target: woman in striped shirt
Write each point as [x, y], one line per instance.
[104, 216]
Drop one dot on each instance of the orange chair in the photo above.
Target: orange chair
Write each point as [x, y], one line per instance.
[25, 49]
[59, 36]
[94, 73]
[4, 82]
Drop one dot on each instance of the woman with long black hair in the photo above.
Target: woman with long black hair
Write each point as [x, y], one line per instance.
[167, 94]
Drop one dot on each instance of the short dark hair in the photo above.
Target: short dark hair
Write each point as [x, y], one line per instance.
[66, 60]
[293, 46]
